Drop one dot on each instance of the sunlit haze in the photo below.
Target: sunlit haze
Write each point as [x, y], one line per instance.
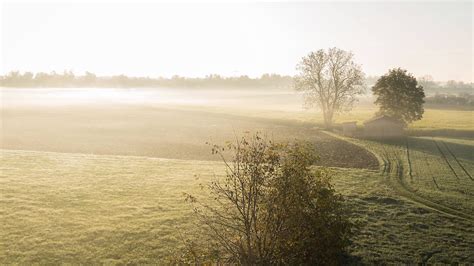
[165, 39]
[152, 132]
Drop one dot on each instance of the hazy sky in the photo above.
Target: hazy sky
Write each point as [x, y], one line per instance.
[162, 39]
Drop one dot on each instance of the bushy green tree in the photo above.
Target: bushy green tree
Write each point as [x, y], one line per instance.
[271, 208]
[399, 96]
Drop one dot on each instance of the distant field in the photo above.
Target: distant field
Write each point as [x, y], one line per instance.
[261, 103]
[76, 208]
[433, 119]
[157, 132]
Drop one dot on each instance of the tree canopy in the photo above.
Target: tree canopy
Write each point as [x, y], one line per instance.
[330, 80]
[399, 96]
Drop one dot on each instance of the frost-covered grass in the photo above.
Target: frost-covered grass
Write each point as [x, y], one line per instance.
[439, 169]
[84, 208]
[76, 208]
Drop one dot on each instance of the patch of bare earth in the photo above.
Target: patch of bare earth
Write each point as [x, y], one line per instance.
[158, 132]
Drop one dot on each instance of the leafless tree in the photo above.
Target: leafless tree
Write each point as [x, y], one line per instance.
[330, 80]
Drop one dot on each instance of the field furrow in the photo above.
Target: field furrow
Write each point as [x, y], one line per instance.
[457, 161]
[425, 172]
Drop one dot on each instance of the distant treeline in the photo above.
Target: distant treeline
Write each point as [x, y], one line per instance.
[450, 87]
[463, 99]
[432, 87]
[90, 80]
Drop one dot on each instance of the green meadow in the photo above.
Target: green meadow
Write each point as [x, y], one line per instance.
[76, 208]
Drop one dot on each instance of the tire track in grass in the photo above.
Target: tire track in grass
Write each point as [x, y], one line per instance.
[456, 159]
[446, 159]
[410, 171]
[400, 186]
[403, 190]
[431, 172]
[426, 168]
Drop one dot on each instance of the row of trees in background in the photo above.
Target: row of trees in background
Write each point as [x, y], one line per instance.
[69, 79]
[449, 87]
[462, 100]
[91, 80]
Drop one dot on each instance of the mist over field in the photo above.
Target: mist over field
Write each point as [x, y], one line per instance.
[240, 98]
[236, 133]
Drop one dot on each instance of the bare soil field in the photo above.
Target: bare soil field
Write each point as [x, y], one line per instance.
[158, 132]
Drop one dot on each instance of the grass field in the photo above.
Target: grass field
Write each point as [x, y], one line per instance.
[103, 182]
[437, 169]
[448, 120]
[74, 208]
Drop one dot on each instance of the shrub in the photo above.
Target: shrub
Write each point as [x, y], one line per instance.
[270, 208]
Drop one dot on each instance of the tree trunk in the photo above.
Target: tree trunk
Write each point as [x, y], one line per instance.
[328, 114]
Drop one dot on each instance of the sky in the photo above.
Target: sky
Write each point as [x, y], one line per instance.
[196, 39]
